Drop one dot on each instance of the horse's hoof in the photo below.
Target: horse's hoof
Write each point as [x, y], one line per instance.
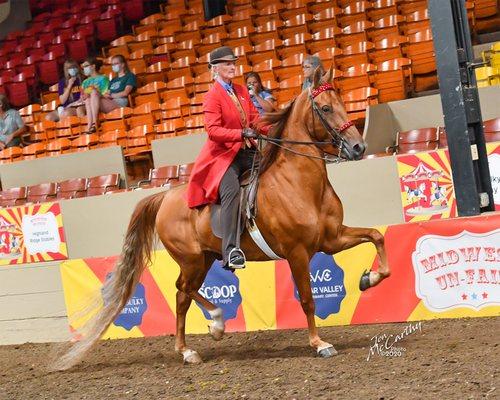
[327, 352]
[217, 333]
[191, 357]
[364, 282]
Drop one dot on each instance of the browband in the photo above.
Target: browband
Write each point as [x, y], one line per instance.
[321, 89]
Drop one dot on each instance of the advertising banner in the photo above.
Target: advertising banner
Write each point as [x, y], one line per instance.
[30, 234]
[426, 186]
[442, 269]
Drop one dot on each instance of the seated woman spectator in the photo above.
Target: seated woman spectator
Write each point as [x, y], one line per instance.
[309, 65]
[93, 88]
[120, 87]
[11, 124]
[261, 97]
[69, 89]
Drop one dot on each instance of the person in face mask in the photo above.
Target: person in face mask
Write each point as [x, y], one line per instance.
[93, 88]
[69, 88]
[120, 86]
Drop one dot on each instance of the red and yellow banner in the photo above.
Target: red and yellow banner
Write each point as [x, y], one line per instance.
[30, 234]
[442, 269]
[426, 186]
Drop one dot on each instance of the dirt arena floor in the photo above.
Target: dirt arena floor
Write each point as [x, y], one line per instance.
[446, 359]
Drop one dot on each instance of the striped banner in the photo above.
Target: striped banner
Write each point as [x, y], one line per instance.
[30, 234]
[442, 269]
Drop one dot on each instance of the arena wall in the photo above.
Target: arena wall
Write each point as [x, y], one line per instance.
[86, 164]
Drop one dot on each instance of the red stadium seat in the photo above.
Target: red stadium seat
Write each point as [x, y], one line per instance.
[102, 184]
[72, 188]
[42, 192]
[161, 176]
[417, 140]
[13, 197]
[491, 130]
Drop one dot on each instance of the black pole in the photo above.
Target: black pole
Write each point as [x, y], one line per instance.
[461, 108]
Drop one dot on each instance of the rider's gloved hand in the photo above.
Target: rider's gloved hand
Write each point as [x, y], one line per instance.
[249, 133]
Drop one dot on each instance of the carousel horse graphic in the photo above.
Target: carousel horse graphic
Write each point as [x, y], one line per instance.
[416, 194]
[438, 194]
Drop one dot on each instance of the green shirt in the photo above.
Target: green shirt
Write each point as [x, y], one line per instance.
[99, 82]
[119, 83]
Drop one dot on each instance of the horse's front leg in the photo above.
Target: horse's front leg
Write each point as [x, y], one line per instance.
[299, 265]
[349, 237]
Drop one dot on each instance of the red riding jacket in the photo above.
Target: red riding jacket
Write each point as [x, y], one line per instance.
[223, 126]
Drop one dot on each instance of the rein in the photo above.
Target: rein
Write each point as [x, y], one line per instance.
[335, 134]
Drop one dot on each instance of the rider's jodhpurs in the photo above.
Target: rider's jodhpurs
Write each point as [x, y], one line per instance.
[229, 193]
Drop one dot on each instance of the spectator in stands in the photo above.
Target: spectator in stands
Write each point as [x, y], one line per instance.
[93, 88]
[261, 97]
[11, 124]
[120, 87]
[69, 89]
[309, 66]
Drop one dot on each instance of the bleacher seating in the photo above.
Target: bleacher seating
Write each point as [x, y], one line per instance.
[381, 51]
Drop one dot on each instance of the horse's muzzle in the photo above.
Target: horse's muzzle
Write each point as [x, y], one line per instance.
[355, 152]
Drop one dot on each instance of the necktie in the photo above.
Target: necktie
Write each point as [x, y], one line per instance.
[243, 117]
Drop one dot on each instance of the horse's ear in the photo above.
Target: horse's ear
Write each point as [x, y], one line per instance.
[329, 75]
[317, 77]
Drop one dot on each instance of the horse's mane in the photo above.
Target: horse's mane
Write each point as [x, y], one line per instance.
[277, 120]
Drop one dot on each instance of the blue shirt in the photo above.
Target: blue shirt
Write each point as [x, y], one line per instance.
[264, 94]
[9, 123]
[228, 87]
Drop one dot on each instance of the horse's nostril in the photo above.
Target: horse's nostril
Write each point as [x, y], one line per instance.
[359, 148]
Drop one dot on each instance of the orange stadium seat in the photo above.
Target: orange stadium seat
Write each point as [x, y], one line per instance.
[58, 146]
[323, 39]
[33, 151]
[354, 12]
[354, 55]
[382, 9]
[393, 79]
[10, 154]
[117, 137]
[170, 128]
[85, 142]
[354, 77]
[387, 49]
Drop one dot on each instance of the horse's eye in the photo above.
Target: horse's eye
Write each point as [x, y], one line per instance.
[326, 108]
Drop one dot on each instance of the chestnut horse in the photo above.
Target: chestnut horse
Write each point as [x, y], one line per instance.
[293, 167]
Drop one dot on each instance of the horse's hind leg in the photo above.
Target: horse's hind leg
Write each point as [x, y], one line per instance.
[189, 282]
[350, 237]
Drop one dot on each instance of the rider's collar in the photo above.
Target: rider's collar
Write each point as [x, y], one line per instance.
[321, 89]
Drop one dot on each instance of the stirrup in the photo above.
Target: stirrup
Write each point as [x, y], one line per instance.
[230, 263]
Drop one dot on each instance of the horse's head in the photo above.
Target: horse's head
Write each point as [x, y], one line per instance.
[329, 121]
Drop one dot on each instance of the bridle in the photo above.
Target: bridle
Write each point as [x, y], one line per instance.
[335, 133]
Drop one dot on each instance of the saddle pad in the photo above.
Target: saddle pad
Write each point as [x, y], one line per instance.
[215, 220]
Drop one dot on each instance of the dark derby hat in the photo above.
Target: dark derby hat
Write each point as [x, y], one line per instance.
[221, 54]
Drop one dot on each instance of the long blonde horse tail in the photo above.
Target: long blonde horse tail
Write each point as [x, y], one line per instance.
[119, 287]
